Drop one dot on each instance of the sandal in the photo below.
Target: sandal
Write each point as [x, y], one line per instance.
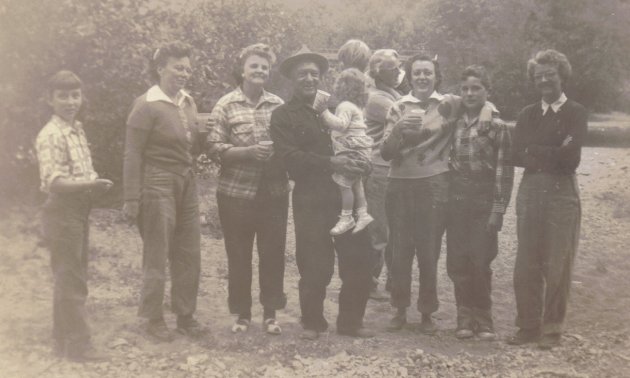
[241, 325]
[272, 327]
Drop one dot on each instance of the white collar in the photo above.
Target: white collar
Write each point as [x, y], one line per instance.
[411, 98]
[556, 105]
[155, 93]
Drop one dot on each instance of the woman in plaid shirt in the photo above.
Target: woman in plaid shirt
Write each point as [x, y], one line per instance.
[482, 177]
[253, 189]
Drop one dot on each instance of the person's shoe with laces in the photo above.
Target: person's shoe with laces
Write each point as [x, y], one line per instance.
[158, 329]
[345, 224]
[427, 326]
[189, 326]
[398, 321]
[241, 325]
[85, 353]
[363, 220]
[524, 336]
[486, 333]
[464, 333]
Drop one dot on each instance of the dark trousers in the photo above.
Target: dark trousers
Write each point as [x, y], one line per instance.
[375, 189]
[416, 209]
[315, 211]
[264, 217]
[169, 226]
[548, 228]
[65, 226]
[471, 248]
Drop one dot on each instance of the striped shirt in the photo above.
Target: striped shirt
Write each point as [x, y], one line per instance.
[63, 151]
[238, 123]
[484, 149]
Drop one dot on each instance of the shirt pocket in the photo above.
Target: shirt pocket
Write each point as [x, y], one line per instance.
[242, 134]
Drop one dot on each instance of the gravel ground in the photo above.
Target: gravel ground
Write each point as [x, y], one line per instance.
[596, 343]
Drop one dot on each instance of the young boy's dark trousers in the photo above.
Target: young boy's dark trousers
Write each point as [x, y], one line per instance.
[65, 226]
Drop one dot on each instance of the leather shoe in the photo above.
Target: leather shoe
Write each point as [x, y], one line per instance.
[189, 326]
[159, 330]
[362, 332]
[426, 325]
[464, 333]
[524, 336]
[549, 341]
[397, 322]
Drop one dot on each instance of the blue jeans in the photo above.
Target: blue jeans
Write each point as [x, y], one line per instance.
[471, 248]
[170, 230]
[416, 209]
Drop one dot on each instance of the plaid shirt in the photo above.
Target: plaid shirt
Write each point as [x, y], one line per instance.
[240, 124]
[484, 149]
[63, 151]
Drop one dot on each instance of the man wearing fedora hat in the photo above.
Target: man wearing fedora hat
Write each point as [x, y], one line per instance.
[302, 140]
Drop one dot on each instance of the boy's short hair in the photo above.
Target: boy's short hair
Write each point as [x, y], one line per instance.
[63, 80]
[479, 72]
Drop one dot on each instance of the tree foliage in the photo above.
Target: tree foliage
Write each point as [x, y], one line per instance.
[109, 42]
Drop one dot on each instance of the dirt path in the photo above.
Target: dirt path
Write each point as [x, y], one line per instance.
[597, 342]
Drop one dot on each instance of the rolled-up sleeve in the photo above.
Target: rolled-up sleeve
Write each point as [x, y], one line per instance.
[218, 133]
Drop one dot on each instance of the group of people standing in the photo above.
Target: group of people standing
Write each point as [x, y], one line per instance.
[381, 170]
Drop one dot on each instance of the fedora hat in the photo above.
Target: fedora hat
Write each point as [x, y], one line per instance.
[302, 55]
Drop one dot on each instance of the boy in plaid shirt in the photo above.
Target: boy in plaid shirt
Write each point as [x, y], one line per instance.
[67, 175]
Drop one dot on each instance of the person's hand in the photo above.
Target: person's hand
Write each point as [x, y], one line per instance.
[102, 185]
[321, 101]
[130, 211]
[347, 165]
[259, 152]
[495, 222]
[411, 121]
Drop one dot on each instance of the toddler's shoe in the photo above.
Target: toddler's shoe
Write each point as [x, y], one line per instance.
[345, 224]
[362, 222]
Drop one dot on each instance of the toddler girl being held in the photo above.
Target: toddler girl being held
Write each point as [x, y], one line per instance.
[348, 134]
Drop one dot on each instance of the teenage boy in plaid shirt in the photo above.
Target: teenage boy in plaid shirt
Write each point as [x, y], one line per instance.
[68, 177]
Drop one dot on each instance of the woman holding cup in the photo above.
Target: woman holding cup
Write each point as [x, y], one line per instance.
[417, 142]
[253, 188]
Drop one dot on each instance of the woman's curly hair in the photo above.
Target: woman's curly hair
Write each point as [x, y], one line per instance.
[551, 57]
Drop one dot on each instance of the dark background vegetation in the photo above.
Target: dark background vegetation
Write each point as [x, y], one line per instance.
[108, 43]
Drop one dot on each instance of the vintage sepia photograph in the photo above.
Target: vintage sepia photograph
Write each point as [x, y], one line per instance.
[314, 188]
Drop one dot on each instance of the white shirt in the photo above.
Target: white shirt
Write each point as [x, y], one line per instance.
[155, 93]
[556, 105]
